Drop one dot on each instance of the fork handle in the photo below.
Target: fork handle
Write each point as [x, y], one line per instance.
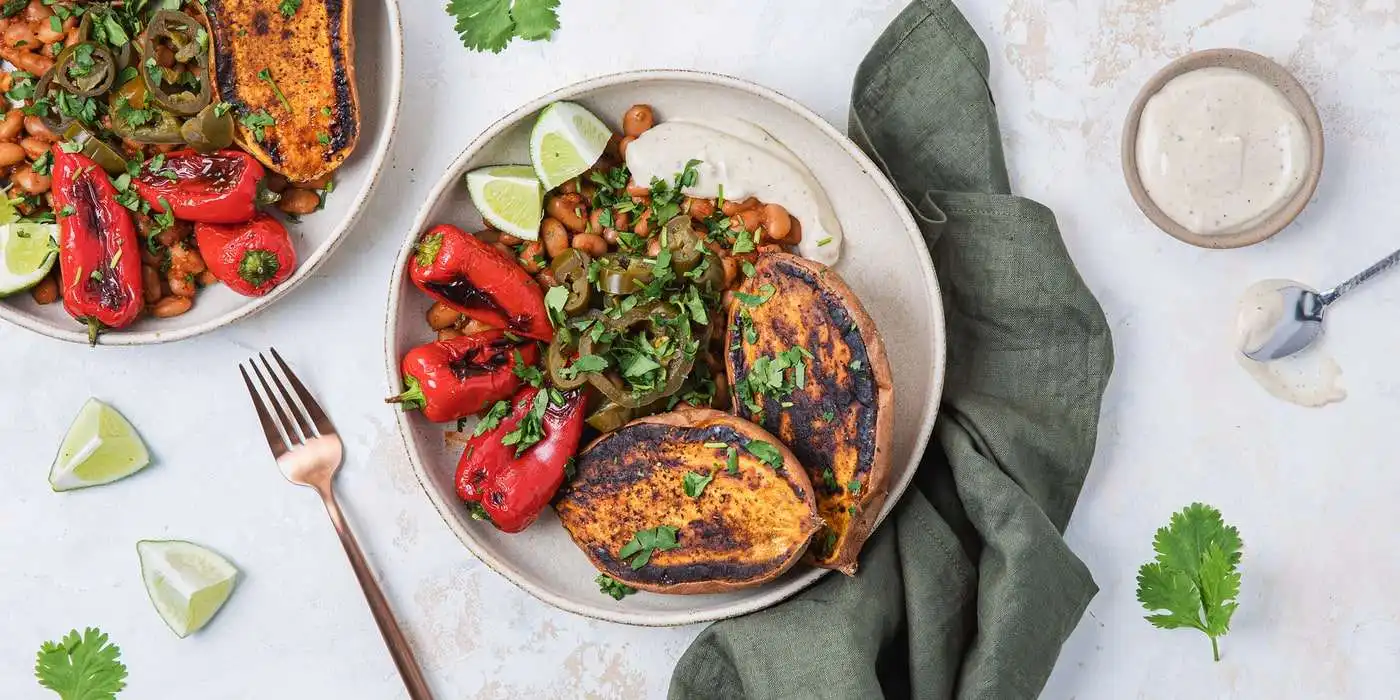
[383, 616]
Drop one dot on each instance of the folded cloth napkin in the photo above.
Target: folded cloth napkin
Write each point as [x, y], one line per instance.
[968, 589]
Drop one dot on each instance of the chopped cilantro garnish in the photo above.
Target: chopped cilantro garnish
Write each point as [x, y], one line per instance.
[639, 549]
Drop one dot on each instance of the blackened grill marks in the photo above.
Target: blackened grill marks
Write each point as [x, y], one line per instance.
[463, 293]
[654, 573]
[344, 126]
[217, 173]
[485, 360]
[810, 436]
[95, 222]
[343, 131]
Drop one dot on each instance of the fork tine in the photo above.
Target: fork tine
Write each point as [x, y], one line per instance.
[274, 437]
[288, 426]
[292, 405]
[323, 423]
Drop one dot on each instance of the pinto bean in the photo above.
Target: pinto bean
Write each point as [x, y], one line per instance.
[532, 257]
[637, 120]
[150, 284]
[171, 306]
[35, 127]
[570, 210]
[442, 316]
[555, 237]
[11, 154]
[299, 202]
[34, 148]
[30, 181]
[777, 223]
[731, 207]
[11, 125]
[46, 292]
[591, 243]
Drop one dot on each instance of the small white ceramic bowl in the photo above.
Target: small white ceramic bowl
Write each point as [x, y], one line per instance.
[379, 77]
[884, 260]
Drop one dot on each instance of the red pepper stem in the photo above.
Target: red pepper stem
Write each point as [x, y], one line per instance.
[412, 399]
[94, 327]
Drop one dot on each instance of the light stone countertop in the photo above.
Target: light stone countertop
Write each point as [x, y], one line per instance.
[1312, 491]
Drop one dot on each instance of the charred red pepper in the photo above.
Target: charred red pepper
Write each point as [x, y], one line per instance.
[99, 253]
[251, 257]
[462, 376]
[214, 188]
[463, 272]
[511, 470]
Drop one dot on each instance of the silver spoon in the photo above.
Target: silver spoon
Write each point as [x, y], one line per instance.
[1301, 324]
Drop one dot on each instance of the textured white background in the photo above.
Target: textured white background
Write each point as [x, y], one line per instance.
[1312, 491]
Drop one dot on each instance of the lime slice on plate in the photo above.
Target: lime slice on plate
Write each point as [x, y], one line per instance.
[100, 447]
[510, 197]
[567, 140]
[186, 582]
[27, 253]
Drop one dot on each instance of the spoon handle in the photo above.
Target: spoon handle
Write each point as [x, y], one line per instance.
[1336, 292]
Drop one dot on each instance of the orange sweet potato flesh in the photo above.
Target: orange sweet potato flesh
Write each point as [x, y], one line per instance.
[310, 58]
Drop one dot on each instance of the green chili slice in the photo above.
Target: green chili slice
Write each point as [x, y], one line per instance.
[681, 241]
[571, 270]
[181, 32]
[134, 120]
[85, 69]
[657, 317]
[621, 274]
[210, 131]
[95, 148]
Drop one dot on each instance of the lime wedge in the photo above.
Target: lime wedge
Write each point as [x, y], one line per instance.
[567, 140]
[186, 582]
[27, 253]
[510, 197]
[100, 447]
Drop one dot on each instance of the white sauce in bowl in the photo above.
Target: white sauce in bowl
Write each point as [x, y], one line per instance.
[1310, 378]
[744, 161]
[1220, 150]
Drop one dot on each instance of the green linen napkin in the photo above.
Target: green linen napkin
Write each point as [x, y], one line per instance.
[968, 589]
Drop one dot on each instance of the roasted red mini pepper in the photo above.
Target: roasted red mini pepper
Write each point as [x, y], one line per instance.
[214, 188]
[462, 376]
[251, 257]
[509, 478]
[99, 253]
[471, 277]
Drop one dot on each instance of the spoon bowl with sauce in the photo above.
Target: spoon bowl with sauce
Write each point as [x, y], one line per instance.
[1222, 148]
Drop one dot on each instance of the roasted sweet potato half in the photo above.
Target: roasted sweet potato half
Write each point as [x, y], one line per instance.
[836, 413]
[744, 528]
[291, 81]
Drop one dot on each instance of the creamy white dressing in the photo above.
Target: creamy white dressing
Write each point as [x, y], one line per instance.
[1310, 378]
[742, 160]
[1220, 150]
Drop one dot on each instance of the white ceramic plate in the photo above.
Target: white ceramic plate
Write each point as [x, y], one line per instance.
[884, 261]
[379, 77]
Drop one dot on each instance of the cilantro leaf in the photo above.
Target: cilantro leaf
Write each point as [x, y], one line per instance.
[81, 667]
[610, 586]
[535, 19]
[1195, 578]
[766, 453]
[492, 419]
[638, 550]
[695, 483]
[484, 25]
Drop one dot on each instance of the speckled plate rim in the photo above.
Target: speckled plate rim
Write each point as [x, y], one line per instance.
[1271, 73]
[304, 270]
[762, 598]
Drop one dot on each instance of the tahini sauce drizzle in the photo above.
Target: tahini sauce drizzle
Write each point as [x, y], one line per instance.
[1220, 150]
[1310, 378]
[747, 162]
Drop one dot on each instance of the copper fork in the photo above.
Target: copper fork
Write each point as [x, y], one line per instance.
[308, 450]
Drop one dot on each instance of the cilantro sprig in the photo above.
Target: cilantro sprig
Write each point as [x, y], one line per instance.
[639, 549]
[490, 25]
[83, 666]
[1195, 577]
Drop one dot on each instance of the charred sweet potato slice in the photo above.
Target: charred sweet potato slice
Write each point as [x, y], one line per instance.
[745, 528]
[837, 417]
[291, 80]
